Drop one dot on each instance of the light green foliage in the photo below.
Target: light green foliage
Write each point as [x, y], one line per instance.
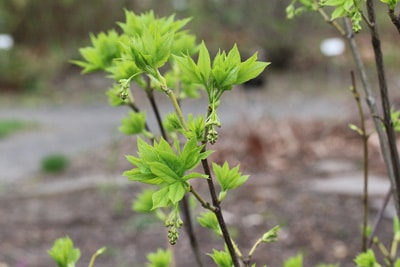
[395, 116]
[10, 126]
[218, 76]
[114, 96]
[221, 258]
[144, 201]
[135, 124]
[366, 259]
[346, 8]
[209, 220]
[391, 3]
[161, 165]
[161, 258]
[293, 10]
[64, 253]
[105, 48]
[228, 178]
[342, 8]
[225, 70]
[271, 235]
[156, 54]
[295, 261]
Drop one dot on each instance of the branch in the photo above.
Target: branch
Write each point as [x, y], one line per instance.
[395, 19]
[365, 137]
[371, 102]
[391, 137]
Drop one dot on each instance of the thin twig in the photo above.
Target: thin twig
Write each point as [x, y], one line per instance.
[395, 19]
[365, 137]
[379, 217]
[216, 203]
[391, 137]
[371, 102]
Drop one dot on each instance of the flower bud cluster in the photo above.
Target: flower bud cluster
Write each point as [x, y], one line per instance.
[173, 233]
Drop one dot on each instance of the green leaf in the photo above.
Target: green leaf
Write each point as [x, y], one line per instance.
[295, 261]
[204, 64]
[194, 175]
[221, 258]
[397, 263]
[190, 71]
[134, 123]
[161, 258]
[228, 178]
[250, 69]
[163, 172]
[161, 198]
[114, 97]
[209, 220]
[176, 192]
[144, 201]
[271, 235]
[366, 259]
[105, 48]
[64, 253]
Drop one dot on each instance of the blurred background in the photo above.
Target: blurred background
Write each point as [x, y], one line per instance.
[60, 147]
[47, 34]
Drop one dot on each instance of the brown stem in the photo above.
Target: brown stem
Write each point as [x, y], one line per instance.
[218, 213]
[371, 102]
[395, 19]
[379, 217]
[365, 137]
[184, 204]
[216, 203]
[394, 155]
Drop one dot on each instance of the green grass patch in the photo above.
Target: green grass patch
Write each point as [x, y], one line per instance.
[11, 126]
[54, 163]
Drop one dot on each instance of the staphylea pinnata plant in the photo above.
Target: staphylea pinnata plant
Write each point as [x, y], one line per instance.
[158, 56]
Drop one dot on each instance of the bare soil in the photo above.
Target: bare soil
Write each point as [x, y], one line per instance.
[280, 155]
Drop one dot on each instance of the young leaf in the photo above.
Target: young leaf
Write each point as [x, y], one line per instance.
[295, 261]
[161, 258]
[64, 253]
[221, 258]
[271, 235]
[134, 123]
[161, 198]
[209, 220]
[366, 259]
[229, 178]
[144, 201]
[250, 69]
[204, 64]
[176, 192]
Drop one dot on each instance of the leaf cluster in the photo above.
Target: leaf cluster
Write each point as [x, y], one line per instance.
[228, 178]
[64, 253]
[166, 167]
[223, 72]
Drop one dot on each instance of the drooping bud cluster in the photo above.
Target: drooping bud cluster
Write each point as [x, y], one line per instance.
[123, 87]
[174, 223]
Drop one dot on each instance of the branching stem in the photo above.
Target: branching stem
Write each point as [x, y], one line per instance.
[371, 102]
[391, 138]
[364, 137]
[203, 203]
